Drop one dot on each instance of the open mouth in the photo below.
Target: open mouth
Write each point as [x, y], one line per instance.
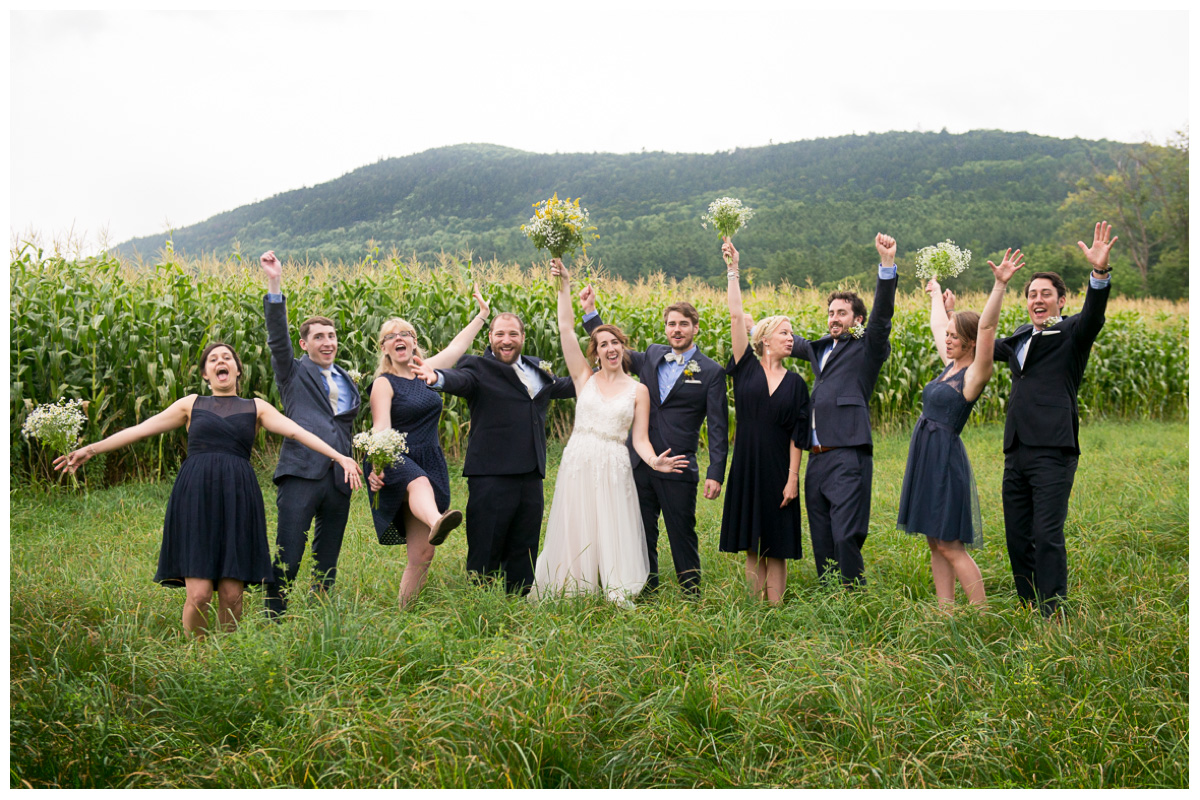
[222, 373]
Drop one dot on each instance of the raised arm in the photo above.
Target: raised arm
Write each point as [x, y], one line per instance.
[737, 318]
[279, 341]
[577, 365]
[1091, 317]
[981, 369]
[458, 347]
[663, 462]
[272, 420]
[938, 317]
[174, 416]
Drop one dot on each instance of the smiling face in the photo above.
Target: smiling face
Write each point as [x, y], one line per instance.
[1043, 301]
[680, 331]
[221, 369]
[506, 338]
[399, 342]
[609, 352]
[321, 344]
[956, 345]
[841, 317]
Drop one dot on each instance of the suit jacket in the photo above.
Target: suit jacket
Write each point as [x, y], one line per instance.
[841, 393]
[306, 402]
[675, 422]
[1043, 409]
[508, 427]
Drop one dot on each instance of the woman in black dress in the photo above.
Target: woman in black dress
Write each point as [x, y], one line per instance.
[761, 514]
[215, 531]
[938, 498]
[414, 496]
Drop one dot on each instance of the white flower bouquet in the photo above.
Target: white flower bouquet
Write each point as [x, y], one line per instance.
[941, 261]
[56, 426]
[560, 226]
[383, 449]
[727, 215]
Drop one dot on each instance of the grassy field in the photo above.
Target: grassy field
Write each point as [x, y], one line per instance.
[474, 689]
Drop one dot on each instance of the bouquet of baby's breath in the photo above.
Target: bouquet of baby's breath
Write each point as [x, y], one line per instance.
[941, 261]
[384, 448]
[56, 426]
[560, 226]
[727, 215]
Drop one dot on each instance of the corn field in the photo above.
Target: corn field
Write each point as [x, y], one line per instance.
[126, 338]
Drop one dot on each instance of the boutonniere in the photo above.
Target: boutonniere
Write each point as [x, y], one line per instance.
[354, 374]
[1052, 321]
[858, 331]
[544, 366]
[690, 368]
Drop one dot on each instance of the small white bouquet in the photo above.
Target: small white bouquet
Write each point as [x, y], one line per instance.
[56, 426]
[727, 215]
[941, 261]
[560, 226]
[383, 448]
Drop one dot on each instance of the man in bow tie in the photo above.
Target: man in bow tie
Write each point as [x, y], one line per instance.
[846, 364]
[320, 396]
[1041, 433]
[686, 388]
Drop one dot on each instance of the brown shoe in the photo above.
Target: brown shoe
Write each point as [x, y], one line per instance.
[445, 523]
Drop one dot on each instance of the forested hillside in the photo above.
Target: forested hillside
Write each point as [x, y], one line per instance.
[819, 203]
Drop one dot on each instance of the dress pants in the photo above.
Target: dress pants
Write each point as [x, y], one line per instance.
[676, 500]
[837, 497]
[1037, 486]
[299, 500]
[504, 524]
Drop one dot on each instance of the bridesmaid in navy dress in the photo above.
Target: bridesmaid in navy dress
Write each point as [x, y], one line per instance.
[762, 515]
[938, 499]
[414, 496]
[215, 531]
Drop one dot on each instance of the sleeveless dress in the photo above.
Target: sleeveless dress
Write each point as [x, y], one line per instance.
[416, 410]
[766, 425]
[938, 498]
[595, 542]
[215, 526]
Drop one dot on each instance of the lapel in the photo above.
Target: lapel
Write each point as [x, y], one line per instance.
[1014, 363]
[819, 349]
[508, 372]
[316, 382]
[650, 373]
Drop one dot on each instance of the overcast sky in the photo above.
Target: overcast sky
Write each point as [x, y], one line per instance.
[125, 122]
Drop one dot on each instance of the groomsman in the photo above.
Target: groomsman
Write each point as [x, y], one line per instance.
[1041, 433]
[323, 400]
[508, 395]
[846, 364]
[686, 387]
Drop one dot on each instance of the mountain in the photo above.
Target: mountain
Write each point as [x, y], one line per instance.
[818, 203]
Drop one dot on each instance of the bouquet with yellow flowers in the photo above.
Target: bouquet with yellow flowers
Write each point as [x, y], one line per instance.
[559, 226]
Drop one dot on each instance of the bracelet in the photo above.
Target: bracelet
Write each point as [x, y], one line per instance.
[794, 472]
[1102, 271]
[733, 273]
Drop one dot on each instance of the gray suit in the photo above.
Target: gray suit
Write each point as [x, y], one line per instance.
[307, 483]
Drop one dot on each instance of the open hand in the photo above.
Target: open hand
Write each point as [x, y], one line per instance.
[664, 462]
[74, 460]
[353, 471]
[1097, 254]
[1009, 265]
[427, 374]
[484, 308]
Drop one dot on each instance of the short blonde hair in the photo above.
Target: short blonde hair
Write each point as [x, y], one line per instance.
[394, 325]
[764, 329]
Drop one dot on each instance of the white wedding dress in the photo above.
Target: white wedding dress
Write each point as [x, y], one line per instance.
[595, 542]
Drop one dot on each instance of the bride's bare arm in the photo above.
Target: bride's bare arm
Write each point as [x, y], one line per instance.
[577, 364]
[665, 462]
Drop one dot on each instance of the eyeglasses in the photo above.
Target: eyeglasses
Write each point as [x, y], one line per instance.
[405, 334]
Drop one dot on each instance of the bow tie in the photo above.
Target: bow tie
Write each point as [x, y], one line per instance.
[678, 358]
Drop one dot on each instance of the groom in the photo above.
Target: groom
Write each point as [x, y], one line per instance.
[508, 395]
[686, 387]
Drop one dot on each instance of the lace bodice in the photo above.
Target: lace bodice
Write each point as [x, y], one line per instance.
[943, 401]
[607, 419]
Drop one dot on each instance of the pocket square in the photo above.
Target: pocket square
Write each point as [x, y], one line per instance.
[1050, 333]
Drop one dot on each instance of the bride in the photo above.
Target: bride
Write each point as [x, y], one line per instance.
[595, 542]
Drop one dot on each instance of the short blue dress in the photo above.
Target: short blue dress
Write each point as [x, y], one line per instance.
[416, 410]
[938, 499]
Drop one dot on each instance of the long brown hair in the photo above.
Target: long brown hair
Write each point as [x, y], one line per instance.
[593, 353]
[237, 384]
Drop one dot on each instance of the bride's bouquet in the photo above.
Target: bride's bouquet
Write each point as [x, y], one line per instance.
[384, 448]
[560, 226]
[727, 215]
[941, 261]
[56, 426]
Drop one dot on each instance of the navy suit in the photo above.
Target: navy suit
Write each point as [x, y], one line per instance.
[837, 482]
[505, 463]
[307, 483]
[675, 423]
[1041, 446]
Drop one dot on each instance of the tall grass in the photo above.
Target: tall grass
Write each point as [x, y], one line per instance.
[475, 689]
[126, 338]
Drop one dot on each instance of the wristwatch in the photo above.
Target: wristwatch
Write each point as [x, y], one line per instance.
[1102, 271]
